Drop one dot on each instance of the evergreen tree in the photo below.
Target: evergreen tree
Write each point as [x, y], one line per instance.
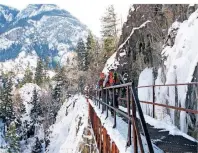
[28, 77]
[12, 139]
[22, 108]
[90, 49]
[109, 23]
[6, 106]
[36, 109]
[37, 147]
[58, 92]
[81, 54]
[39, 74]
[109, 31]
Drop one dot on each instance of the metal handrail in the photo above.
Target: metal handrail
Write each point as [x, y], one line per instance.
[130, 117]
[136, 105]
[172, 107]
[164, 85]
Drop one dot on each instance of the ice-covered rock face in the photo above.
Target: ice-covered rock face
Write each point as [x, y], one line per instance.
[41, 28]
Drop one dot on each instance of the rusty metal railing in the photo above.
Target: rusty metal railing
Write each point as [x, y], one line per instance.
[103, 140]
[102, 97]
[154, 103]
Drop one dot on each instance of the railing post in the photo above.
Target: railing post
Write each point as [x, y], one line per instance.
[153, 101]
[100, 135]
[97, 97]
[134, 131]
[104, 140]
[142, 120]
[113, 147]
[108, 144]
[114, 107]
[101, 97]
[107, 101]
[103, 101]
[129, 114]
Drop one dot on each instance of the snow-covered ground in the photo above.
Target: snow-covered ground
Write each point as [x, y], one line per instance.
[67, 132]
[2, 139]
[119, 134]
[26, 93]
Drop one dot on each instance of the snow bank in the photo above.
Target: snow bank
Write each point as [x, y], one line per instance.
[26, 93]
[2, 139]
[65, 135]
[3, 151]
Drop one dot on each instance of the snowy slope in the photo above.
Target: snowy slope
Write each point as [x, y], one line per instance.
[21, 63]
[180, 62]
[64, 135]
[26, 93]
[2, 139]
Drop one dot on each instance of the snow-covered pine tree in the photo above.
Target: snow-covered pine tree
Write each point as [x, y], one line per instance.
[1, 101]
[37, 147]
[58, 93]
[6, 101]
[36, 109]
[22, 108]
[39, 74]
[90, 49]
[12, 139]
[28, 77]
[81, 53]
[109, 31]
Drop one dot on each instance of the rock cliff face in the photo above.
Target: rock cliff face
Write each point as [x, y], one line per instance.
[144, 47]
[150, 40]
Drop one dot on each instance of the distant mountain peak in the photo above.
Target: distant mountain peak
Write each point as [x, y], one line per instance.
[42, 28]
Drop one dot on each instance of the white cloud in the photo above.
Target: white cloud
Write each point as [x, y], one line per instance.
[87, 11]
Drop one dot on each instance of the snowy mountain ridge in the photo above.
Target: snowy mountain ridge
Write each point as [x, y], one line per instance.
[44, 29]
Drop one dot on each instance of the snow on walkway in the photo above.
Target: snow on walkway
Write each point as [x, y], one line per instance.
[65, 136]
[158, 124]
[119, 134]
